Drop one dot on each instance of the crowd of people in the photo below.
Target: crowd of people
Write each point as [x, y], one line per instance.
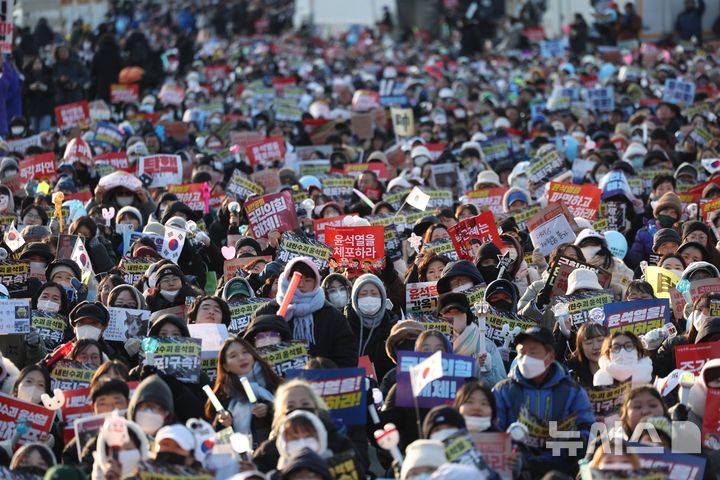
[181, 185]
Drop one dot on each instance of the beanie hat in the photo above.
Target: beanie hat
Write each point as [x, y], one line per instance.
[668, 200]
[665, 235]
[268, 323]
[440, 415]
[168, 269]
[694, 226]
[423, 453]
[237, 286]
[400, 332]
[62, 265]
[132, 211]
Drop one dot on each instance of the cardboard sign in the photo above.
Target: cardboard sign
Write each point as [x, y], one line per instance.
[432, 322]
[582, 200]
[21, 144]
[445, 175]
[126, 323]
[496, 448]
[78, 407]
[285, 356]
[275, 211]
[14, 276]
[694, 356]
[292, 246]
[172, 95]
[673, 466]
[496, 149]
[460, 449]
[661, 279]
[191, 194]
[72, 115]
[679, 92]
[637, 316]
[559, 272]
[606, 401]
[586, 306]
[15, 315]
[241, 312]
[440, 198]
[711, 420]
[357, 248]
[403, 122]
[439, 247]
[211, 336]
[362, 125]
[342, 389]
[320, 224]
[456, 368]
[38, 418]
[115, 160]
[235, 267]
[468, 235]
[546, 168]
[124, 93]
[40, 166]
[601, 99]
[421, 297]
[50, 326]
[551, 227]
[179, 357]
[488, 199]
[161, 170]
[242, 187]
[243, 139]
[697, 288]
[108, 136]
[69, 375]
[266, 152]
[354, 170]
[338, 188]
[267, 178]
[135, 267]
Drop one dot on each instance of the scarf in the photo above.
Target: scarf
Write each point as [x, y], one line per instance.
[241, 410]
[467, 343]
[301, 310]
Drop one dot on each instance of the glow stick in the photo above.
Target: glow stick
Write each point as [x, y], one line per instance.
[294, 282]
[213, 398]
[248, 390]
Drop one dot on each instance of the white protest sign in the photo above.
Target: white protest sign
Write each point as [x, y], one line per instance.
[212, 335]
[126, 323]
[15, 315]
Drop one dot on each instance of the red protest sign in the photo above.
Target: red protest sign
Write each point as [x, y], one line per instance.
[266, 152]
[191, 194]
[83, 196]
[694, 356]
[357, 248]
[72, 114]
[321, 224]
[711, 419]
[213, 72]
[116, 160]
[708, 208]
[354, 170]
[40, 166]
[582, 200]
[162, 170]
[172, 95]
[496, 448]
[39, 419]
[488, 199]
[244, 139]
[275, 211]
[467, 235]
[124, 93]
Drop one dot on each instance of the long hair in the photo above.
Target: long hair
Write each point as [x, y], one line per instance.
[607, 343]
[587, 330]
[624, 410]
[64, 304]
[280, 404]
[471, 386]
[228, 384]
[24, 373]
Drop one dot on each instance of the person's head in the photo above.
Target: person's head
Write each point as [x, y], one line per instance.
[175, 445]
[622, 347]
[476, 402]
[467, 210]
[51, 298]
[337, 290]
[431, 267]
[111, 370]
[108, 395]
[502, 295]
[63, 271]
[458, 277]
[663, 184]
[152, 405]
[698, 232]
[431, 341]
[87, 351]
[639, 290]
[301, 429]
[455, 308]
[89, 320]
[640, 402]
[169, 325]
[673, 262]
[125, 296]
[589, 341]
[668, 209]
[209, 309]
[32, 382]
[33, 215]
[169, 280]
[436, 232]
[442, 422]
[33, 458]
[535, 352]
[305, 464]
[665, 240]
[310, 276]
[369, 298]
[422, 458]
[105, 285]
[692, 252]
[84, 227]
[608, 460]
[295, 395]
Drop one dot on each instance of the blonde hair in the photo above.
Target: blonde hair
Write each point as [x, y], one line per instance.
[281, 399]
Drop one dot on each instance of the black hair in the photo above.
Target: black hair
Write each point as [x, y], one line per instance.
[109, 386]
[660, 179]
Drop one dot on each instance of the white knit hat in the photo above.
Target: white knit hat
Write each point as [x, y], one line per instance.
[423, 453]
[582, 279]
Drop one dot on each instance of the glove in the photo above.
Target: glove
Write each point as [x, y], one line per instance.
[132, 346]
[654, 338]
[542, 299]
[504, 353]
[202, 237]
[32, 338]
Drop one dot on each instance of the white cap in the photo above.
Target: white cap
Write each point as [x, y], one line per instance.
[589, 233]
[502, 122]
[479, 137]
[420, 151]
[154, 227]
[445, 93]
[488, 176]
[583, 223]
[179, 433]
[400, 182]
[582, 278]
[423, 453]
[177, 222]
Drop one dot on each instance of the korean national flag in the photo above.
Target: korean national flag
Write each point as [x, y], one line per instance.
[173, 243]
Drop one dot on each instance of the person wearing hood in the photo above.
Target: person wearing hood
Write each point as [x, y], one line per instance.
[127, 463]
[171, 289]
[695, 231]
[467, 337]
[666, 213]
[596, 252]
[370, 317]
[32, 459]
[537, 383]
[515, 200]
[238, 359]
[337, 290]
[267, 330]
[102, 256]
[304, 464]
[131, 216]
[312, 318]
[403, 336]
[152, 405]
[299, 430]
[7, 202]
[458, 277]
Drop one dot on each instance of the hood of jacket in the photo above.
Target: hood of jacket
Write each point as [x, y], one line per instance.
[152, 389]
[698, 392]
[281, 443]
[460, 268]
[168, 318]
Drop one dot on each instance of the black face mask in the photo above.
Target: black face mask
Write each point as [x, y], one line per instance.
[502, 305]
[30, 471]
[488, 273]
[170, 458]
[406, 346]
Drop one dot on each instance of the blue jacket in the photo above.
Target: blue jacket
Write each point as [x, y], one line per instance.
[557, 399]
[689, 23]
[13, 104]
[642, 246]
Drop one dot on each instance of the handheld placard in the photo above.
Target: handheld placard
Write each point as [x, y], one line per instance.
[294, 282]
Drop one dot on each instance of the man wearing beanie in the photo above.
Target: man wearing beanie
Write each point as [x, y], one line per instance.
[666, 213]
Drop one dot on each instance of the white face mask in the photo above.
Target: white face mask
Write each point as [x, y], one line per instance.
[617, 466]
[369, 305]
[129, 459]
[463, 287]
[531, 367]
[443, 435]
[677, 272]
[697, 319]
[124, 201]
[149, 421]
[29, 393]
[48, 306]
[294, 446]
[168, 295]
[90, 332]
[338, 299]
[624, 358]
[477, 424]
[590, 252]
[17, 130]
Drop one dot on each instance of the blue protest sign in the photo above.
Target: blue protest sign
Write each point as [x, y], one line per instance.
[342, 389]
[638, 316]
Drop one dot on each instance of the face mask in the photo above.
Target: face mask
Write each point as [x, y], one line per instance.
[125, 200]
[31, 471]
[17, 130]
[129, 459]
[443, 435]
[29, 393]
[502, 305]
[624, 358]
[617, 466]
[463, 287]
[677, 272]
[489, 273]
[422, 476]
[149, 421]
[168, 295]
[697, 319]
[296, 445]
[369, 305]
[170, 458]
[590, 252]
[48, 306]
[666, 221]
[530, 367]
[477, 424]
[338, 299]
[90, 332]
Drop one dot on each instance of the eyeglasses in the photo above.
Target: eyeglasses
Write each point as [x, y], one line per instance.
[628, 347]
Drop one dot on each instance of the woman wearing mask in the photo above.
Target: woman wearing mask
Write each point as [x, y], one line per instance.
[98, 248]
[583, 362]
[337, 290]
[152, 405]
[32, 459]
[209, 309]
[129, 456]
[674, 263]
[476, 402]
[370, 318]
[436, 233]
[565, 250]
[171, 288]
[596, 253]
[666, 213]
[300, 430]
[623, 358]
[293, 396]
[238, 359]
[51, 298]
